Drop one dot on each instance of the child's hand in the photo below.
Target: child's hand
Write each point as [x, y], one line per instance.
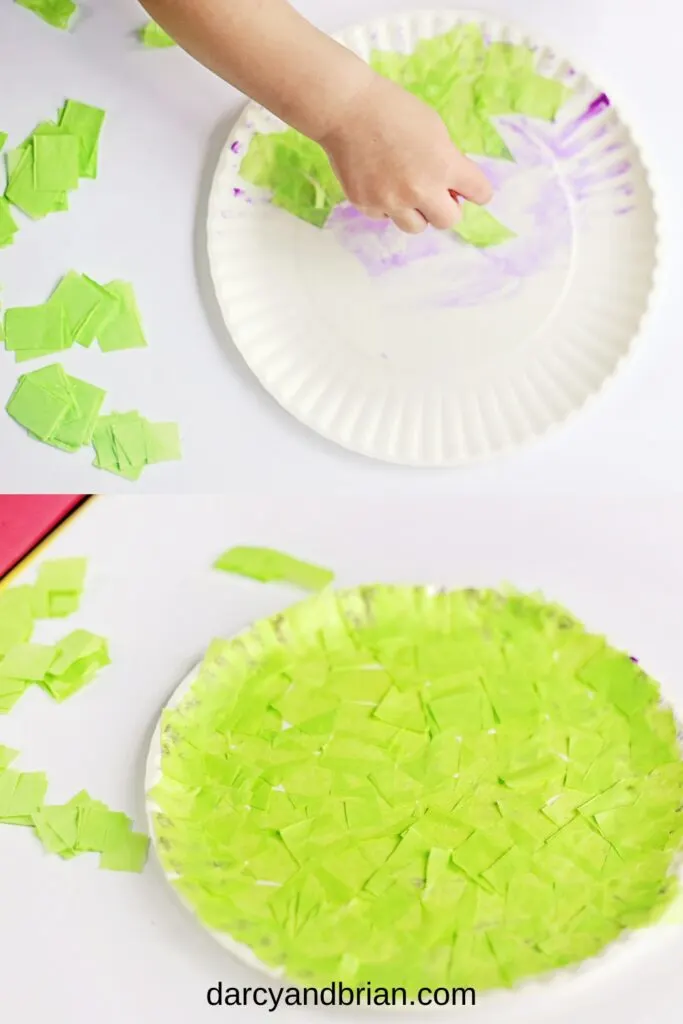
[394, 158]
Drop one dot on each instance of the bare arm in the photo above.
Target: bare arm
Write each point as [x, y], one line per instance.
[391, 152]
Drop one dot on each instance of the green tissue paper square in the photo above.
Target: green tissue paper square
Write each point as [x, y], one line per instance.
[36, 329]
[123, 328]
[21, 795]
[59, 580]
[55, 408]
[57, 13]
[85, 122]
[126, 853]
[154, 37]
[55, 163]
[8, 225]
[78, 658]
[86, 304]
[28, 661]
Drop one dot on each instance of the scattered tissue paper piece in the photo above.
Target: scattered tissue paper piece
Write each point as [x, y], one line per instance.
[8, 225]
[83, 825]
[154, 37]
[267, 565]
[125, 443]
[85, 123]
[57, 13]
[465, 80]
[55, 408]
[123, 327]
[51, 161]
[79, 311]
[61, 669]
[59, 587]
[402, 786]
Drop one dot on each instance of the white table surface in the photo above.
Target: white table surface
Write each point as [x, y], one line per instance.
[80, 945]
[142, 220]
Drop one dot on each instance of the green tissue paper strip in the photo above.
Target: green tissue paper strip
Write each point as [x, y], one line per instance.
[414, 788]
[154, 37]
[57, 13]
[267, 565]
[467, 83]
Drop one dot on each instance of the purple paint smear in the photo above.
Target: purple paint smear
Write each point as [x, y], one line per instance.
[235, 147]
[549, 215]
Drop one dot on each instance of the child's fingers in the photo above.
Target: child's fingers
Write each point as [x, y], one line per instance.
[471, 182]
[410, 221]
[441, 211]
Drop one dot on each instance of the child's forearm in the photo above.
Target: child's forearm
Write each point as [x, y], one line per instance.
[271, 53]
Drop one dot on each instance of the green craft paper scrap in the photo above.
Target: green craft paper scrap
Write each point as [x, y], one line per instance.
[21, 795]
[27, 661]
[3, 139]
[480, 228]
[85, 122]
[36, 328]
[55, 162]
[8, 225]
[154, 37]
[58, 578]
[268, 565]
[123, 328]
[57, 13]
[16, 617]
[86, 304]
[125, 853]
[106, 456]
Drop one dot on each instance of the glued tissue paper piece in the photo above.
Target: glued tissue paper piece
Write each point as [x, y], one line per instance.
[267, 565]
[57, 13]
[154, 37]
[464, 79]
[504, 802]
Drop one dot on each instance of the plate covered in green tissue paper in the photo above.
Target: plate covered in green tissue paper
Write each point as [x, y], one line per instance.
[403, 787]
[446, 347]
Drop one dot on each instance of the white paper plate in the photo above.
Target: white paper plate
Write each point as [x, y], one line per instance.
[425, 351]
[623, 954]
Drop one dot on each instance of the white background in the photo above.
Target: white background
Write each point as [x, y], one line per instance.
[78, 945]
[142, 220]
